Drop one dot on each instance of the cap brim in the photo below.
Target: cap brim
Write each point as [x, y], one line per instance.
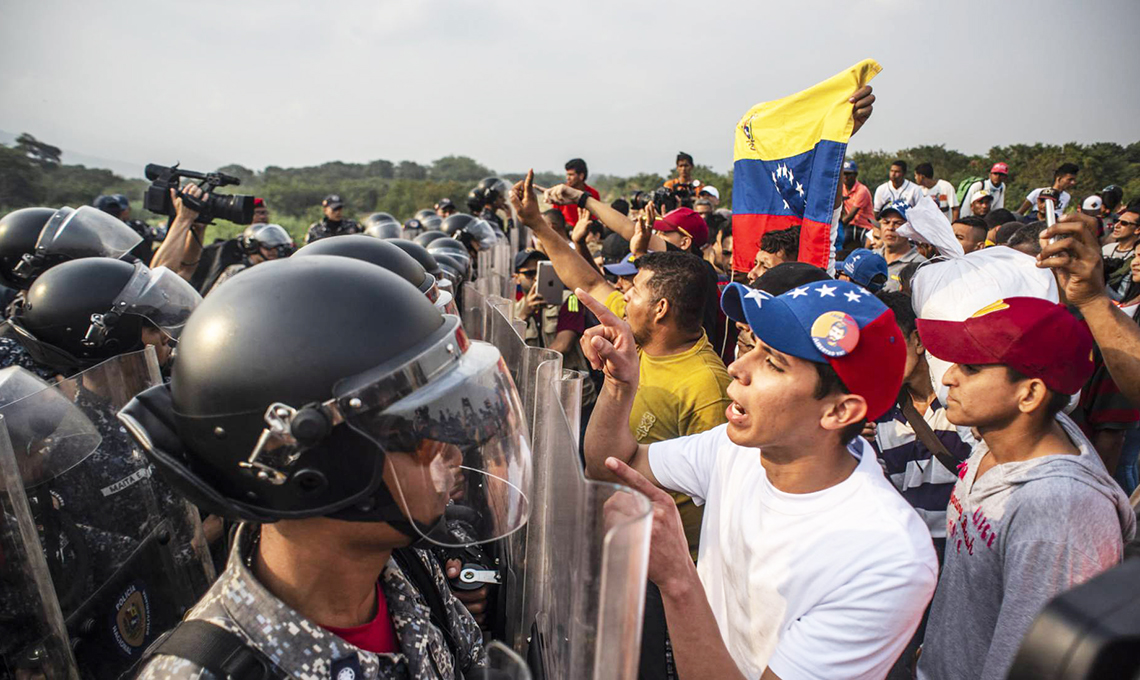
[622, 269]
[951, 342]
[773, 323]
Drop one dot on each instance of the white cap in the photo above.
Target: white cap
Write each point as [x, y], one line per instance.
[710, 189]
[1092, 204]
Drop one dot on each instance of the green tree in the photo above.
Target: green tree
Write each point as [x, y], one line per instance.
[411, 170]
[458, 169]
[43, 153]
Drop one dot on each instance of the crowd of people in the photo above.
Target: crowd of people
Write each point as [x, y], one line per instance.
[887, 469]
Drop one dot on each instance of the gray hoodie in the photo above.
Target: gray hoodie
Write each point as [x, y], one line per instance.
[1018, 536]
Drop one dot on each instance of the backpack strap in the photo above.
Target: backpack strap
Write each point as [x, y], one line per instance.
[215, 649]
[925, 434]
[422, 580]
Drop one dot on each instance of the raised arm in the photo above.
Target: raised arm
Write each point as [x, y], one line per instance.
[614, 220]
[1076, 261]
[182, 247]
[571, 267]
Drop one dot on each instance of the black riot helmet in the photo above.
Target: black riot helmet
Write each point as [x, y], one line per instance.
[19, 231]
[476, 199]
[378, 252]
[424, 214]
[346, 406]
[73, 234]
[84, 311]
[419, 254]
[412, 228]
[456, 222]
[453, 267]
[493, 189]
[380, 217]
[428, 236]
[384, 230]
[477, 235]
[269, 236]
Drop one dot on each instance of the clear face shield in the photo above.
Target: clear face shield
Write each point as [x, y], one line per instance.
[72, 234]
[158, 295]
[451, 427]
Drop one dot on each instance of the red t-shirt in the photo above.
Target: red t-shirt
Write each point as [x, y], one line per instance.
[570, 212]
[378, 635]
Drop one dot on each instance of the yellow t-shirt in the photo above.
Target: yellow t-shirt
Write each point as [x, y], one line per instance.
[679, 395]
[615, 302]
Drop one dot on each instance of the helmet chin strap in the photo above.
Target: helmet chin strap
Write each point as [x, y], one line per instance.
[382, 507]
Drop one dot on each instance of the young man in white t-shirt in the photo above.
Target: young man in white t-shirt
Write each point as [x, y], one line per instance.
[940, 190]
[994, 186]
[896, 188]
[811, 564]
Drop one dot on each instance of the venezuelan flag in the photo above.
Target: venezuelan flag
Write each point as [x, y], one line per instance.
[788, 157]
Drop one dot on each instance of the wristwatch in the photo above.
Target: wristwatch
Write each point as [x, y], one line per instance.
[582, 200]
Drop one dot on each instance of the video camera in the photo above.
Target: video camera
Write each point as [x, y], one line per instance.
[665, 199]
[233, 207]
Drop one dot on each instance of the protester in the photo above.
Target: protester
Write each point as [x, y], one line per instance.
[576, 174]
[1064, 178]
[1034, 512]
[1027, 238]
[941, 191]
[858, 216]
[710, 194]
[1125, 234]
[980, 203]
[994, 185]
[865, 268]
[970, 232]
[896, 250]
[776, 247]
[333, 223]
[896, 188]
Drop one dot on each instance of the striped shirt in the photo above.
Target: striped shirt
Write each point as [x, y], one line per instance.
[914, 470]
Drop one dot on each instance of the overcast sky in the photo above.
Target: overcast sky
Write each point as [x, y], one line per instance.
[518, 84]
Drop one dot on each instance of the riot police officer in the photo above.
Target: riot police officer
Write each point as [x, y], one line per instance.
[333, 223]
[258, 243]
[341, 464]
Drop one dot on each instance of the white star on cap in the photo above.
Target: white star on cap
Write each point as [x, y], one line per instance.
[799, 292]
[853, 296]
[758, 295]
[826, 291]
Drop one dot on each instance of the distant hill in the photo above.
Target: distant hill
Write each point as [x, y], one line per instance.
[125, 169]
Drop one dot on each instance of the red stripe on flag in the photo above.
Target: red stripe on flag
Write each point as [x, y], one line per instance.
[747, 230]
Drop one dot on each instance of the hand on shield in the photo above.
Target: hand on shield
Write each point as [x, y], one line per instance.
[1071, 250]
[525, 201]
[670, 564]
[609, 346]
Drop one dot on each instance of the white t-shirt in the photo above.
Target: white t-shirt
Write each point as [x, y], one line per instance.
[1061, 202]
[822, 585]
[944, 195]
[1109, 250]
[887, 193]
[998, 192]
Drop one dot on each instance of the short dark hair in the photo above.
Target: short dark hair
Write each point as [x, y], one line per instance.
[901, 164]
[679, 278]
[682, 156]
[1057, 400]
[924, 169]
[900, 304]
[786, 241]
[1000, 216]
[621, 205]
[1006, 231]
[579, 166]
[597, 228]
[830, 383]
[974, 222]
[556, 219]
[906, 274]
[1028, 234]
[1066, 169]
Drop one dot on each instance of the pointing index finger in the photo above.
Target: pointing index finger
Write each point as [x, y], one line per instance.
[605, 316]
[632, 478]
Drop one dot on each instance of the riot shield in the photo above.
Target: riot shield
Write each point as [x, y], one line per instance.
[126, 555]
[33, 639]
[473, 306]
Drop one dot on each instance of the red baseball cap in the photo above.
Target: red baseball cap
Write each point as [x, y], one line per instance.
[687, 221]
[1000, 167]
[1037, 338]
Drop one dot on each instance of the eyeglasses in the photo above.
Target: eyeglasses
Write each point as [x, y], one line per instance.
[1130, 225]
[527, 272]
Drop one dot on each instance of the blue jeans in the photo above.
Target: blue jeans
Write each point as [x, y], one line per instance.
[1126, 473]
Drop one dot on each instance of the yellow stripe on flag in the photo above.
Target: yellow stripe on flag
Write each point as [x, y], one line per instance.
[793, 125]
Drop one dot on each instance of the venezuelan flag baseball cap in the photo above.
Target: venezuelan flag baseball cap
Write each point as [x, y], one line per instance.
[830, 322]
[1035, 337]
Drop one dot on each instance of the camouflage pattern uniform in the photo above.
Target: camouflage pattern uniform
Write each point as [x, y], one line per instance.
[325, 228]
[302, 649]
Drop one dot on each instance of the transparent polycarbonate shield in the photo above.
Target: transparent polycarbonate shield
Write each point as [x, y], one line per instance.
[504, 333]
[459, 440]
[485, 262]
[48, 434]
[160, 296]
[503, 258]
[585, 559]
[503, 664]
[33, 637]
[473, 307]
[123, 550]
[86, 232]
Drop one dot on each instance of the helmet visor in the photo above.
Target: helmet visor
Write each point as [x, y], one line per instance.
[49, 434]
[86, 232]
[456, 445]
[160, 296]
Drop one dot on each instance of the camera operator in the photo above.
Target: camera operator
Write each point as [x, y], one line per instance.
[683, 185]
[333, 223]
[181, 250]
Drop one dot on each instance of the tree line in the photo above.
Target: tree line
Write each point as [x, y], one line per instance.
[31, 174]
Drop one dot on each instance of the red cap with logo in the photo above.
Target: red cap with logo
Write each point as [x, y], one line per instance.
[1035, 337]
[687, 221]
[1000, 168]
